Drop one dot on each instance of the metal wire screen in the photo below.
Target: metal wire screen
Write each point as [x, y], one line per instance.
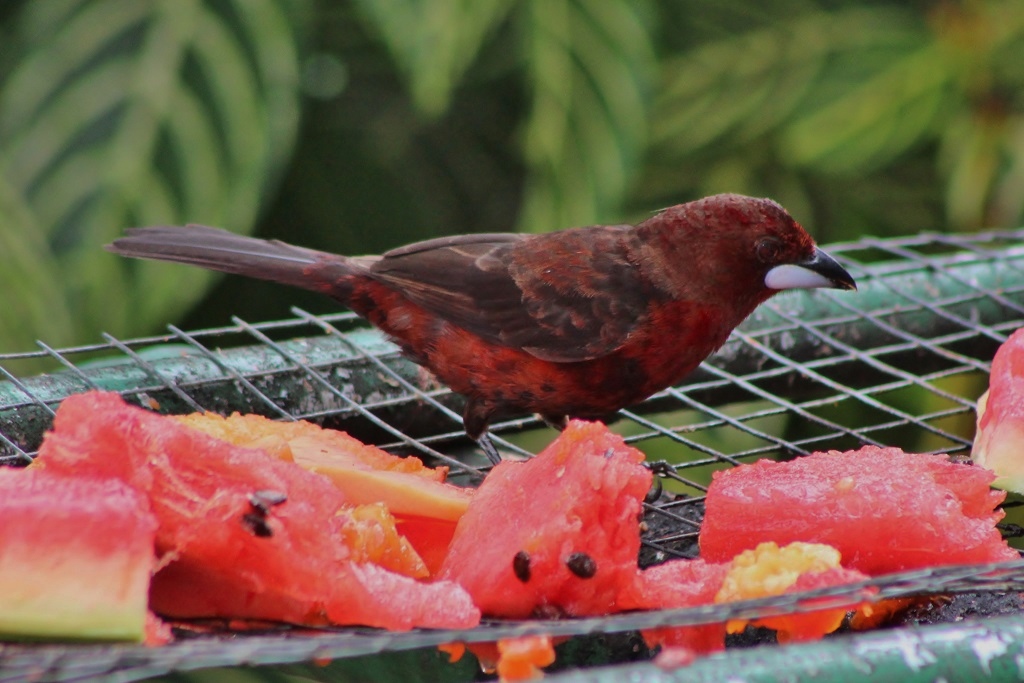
[901, 362]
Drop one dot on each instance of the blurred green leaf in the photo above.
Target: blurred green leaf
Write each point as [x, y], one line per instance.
[816, 97]
[590, 67]
[121, 113]
[971, 153]
[733, 90]
[1008, 194]
[874, 121]
[28, 267]
[433, 43]
[982, 143]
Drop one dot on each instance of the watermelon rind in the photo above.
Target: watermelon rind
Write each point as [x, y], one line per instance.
[76, 556]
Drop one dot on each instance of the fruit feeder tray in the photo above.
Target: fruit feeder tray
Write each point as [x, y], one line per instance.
[900, 363]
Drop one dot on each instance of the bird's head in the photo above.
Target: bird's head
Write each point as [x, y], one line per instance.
[739, 247]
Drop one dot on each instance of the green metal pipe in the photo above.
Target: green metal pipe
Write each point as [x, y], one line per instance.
[991, 650]
[213, 382]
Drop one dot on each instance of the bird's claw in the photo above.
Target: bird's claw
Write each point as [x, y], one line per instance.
[488, 448]
[660, 468]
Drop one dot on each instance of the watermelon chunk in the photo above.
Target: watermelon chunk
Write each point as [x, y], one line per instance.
[680, 583]
[242, 534]
[999, 443]
[884, 510]
[75, 557]
[556, 534]
[424, 506]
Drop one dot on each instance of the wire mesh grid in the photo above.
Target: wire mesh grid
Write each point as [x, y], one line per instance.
[899, 363]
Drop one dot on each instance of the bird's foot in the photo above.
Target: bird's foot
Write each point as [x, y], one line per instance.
[660, 468]
[559, 422]
[489, 449]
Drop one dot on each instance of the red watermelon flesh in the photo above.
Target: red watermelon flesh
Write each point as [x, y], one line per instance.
[998, 444]
[425, 508]
[287, 562]
[558, 533]
[430, 538]
[680, 583]
[75, 557]
[366, 595]
[883, 509]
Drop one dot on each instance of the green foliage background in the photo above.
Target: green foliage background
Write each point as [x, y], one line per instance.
[358, 125]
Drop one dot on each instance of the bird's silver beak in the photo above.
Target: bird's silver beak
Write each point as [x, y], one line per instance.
[821, 270]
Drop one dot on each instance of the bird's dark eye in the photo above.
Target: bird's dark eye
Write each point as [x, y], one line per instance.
[768, 250]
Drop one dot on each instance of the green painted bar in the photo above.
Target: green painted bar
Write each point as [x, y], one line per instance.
[991, 650]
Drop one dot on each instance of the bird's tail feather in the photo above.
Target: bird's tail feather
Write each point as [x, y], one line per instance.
[226, 251]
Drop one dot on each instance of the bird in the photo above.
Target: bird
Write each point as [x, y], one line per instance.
[576, 323]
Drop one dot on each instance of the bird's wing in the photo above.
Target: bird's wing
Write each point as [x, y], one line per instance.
[563, 297]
